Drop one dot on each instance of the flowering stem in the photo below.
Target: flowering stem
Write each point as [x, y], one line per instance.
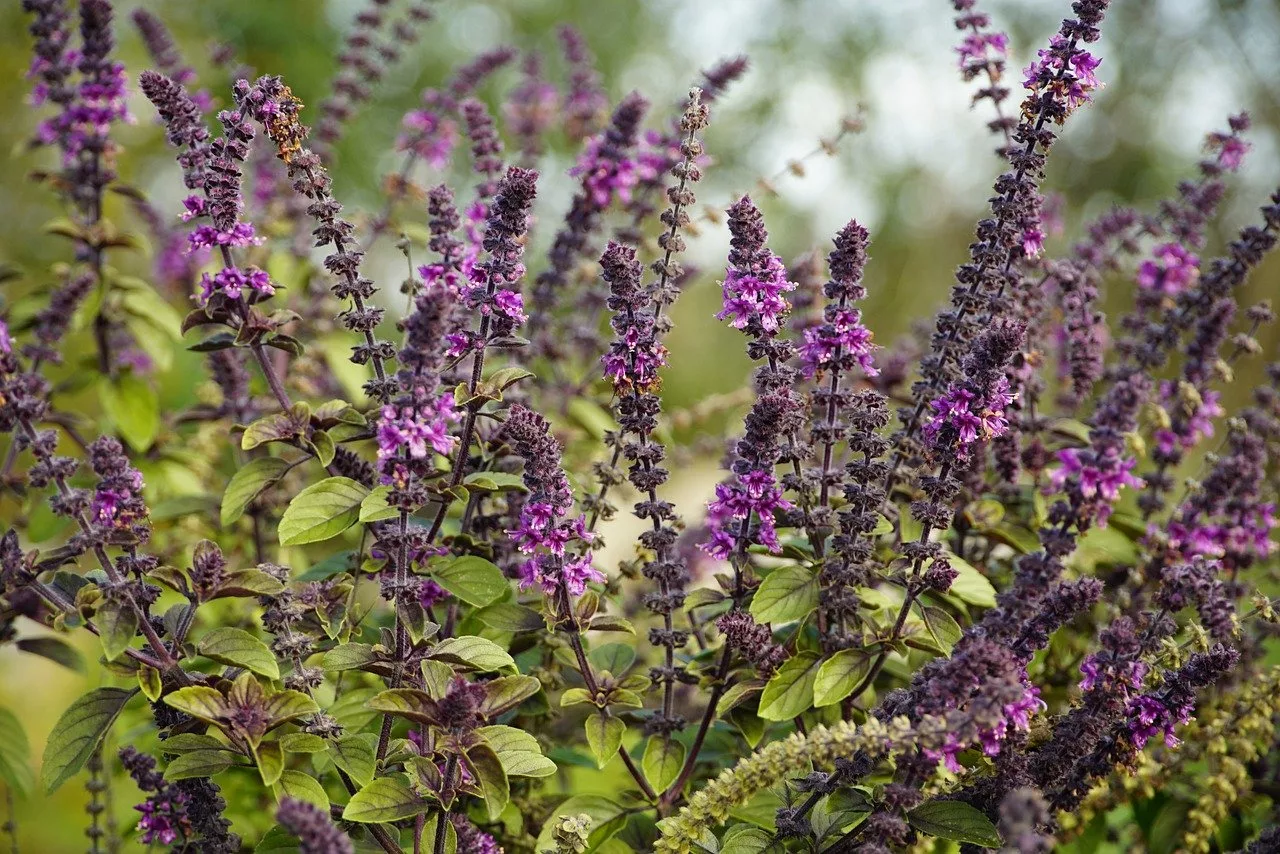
[962, 310]
[166, 659]
[907, 601]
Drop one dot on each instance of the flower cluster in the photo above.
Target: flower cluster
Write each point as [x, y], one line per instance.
[1171, 269]
[164, 812]
[753, 295]
[635, 355]
[973, 410]
[1063, 72]
[544, 531]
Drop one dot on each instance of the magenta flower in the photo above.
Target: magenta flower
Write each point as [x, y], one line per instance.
[962, 417]
[843, 334]
[415, 428]
[755, 492]
[207, 236]
[6, 342]
[752, 294]
[605, 177]
[1095, 481]
[234, 283]
[981, 48]
[430, 136]
[1148, 717]
[1171, 271]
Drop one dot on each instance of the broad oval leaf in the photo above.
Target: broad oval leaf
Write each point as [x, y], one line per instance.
[663, 759]
[472, 651]
[197, 763]
[508, 617]
[955, 820]
[117, 622]
[298, 785]
[78, 732]
[472, 579]
[604, 737]
[321, 511]
[355, 754]
[238, 648]
[132, 405]
[247, 484]
[790, 691]
[486, 767]
[407, 703]
[349, 656]
[970, 585]
[839, 675]
[383, 800]
[199, 701]
[786, 595]
[506, 692]
[374, 507]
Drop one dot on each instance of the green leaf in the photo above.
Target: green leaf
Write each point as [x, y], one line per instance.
[970, 585]
[507, 692]
[506, 617]
[54, 649]
[745, 839]
[495, 481]
[321, 511]
[839, 675]
[248, 582]
[271, 428]
[787, 595]
[407, 703]
[505, 377]
[238, 648]
[78, 732]
[663, 759]
[277, 840]
[374, 507]
[941, 631]
[383, 800]
[355, 754]
[348, 656]
[117, 622]
[199, 701]
[134, 408]
[955, 820]
[790, 691]
[472, 579]
[15, 750]
[613, 657]
[270, 759]
[198, 763]
[604, 737]
[302, 786]
[323, 447]
[303, 742]
[284, 706]
[486, 767]
[247, 484]
[472, 651]
[149, 682]
[185, 742]
[519, 751]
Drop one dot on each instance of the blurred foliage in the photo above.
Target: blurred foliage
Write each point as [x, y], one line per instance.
[917, 177]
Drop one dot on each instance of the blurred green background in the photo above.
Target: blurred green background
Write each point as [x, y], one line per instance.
[918, 175]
